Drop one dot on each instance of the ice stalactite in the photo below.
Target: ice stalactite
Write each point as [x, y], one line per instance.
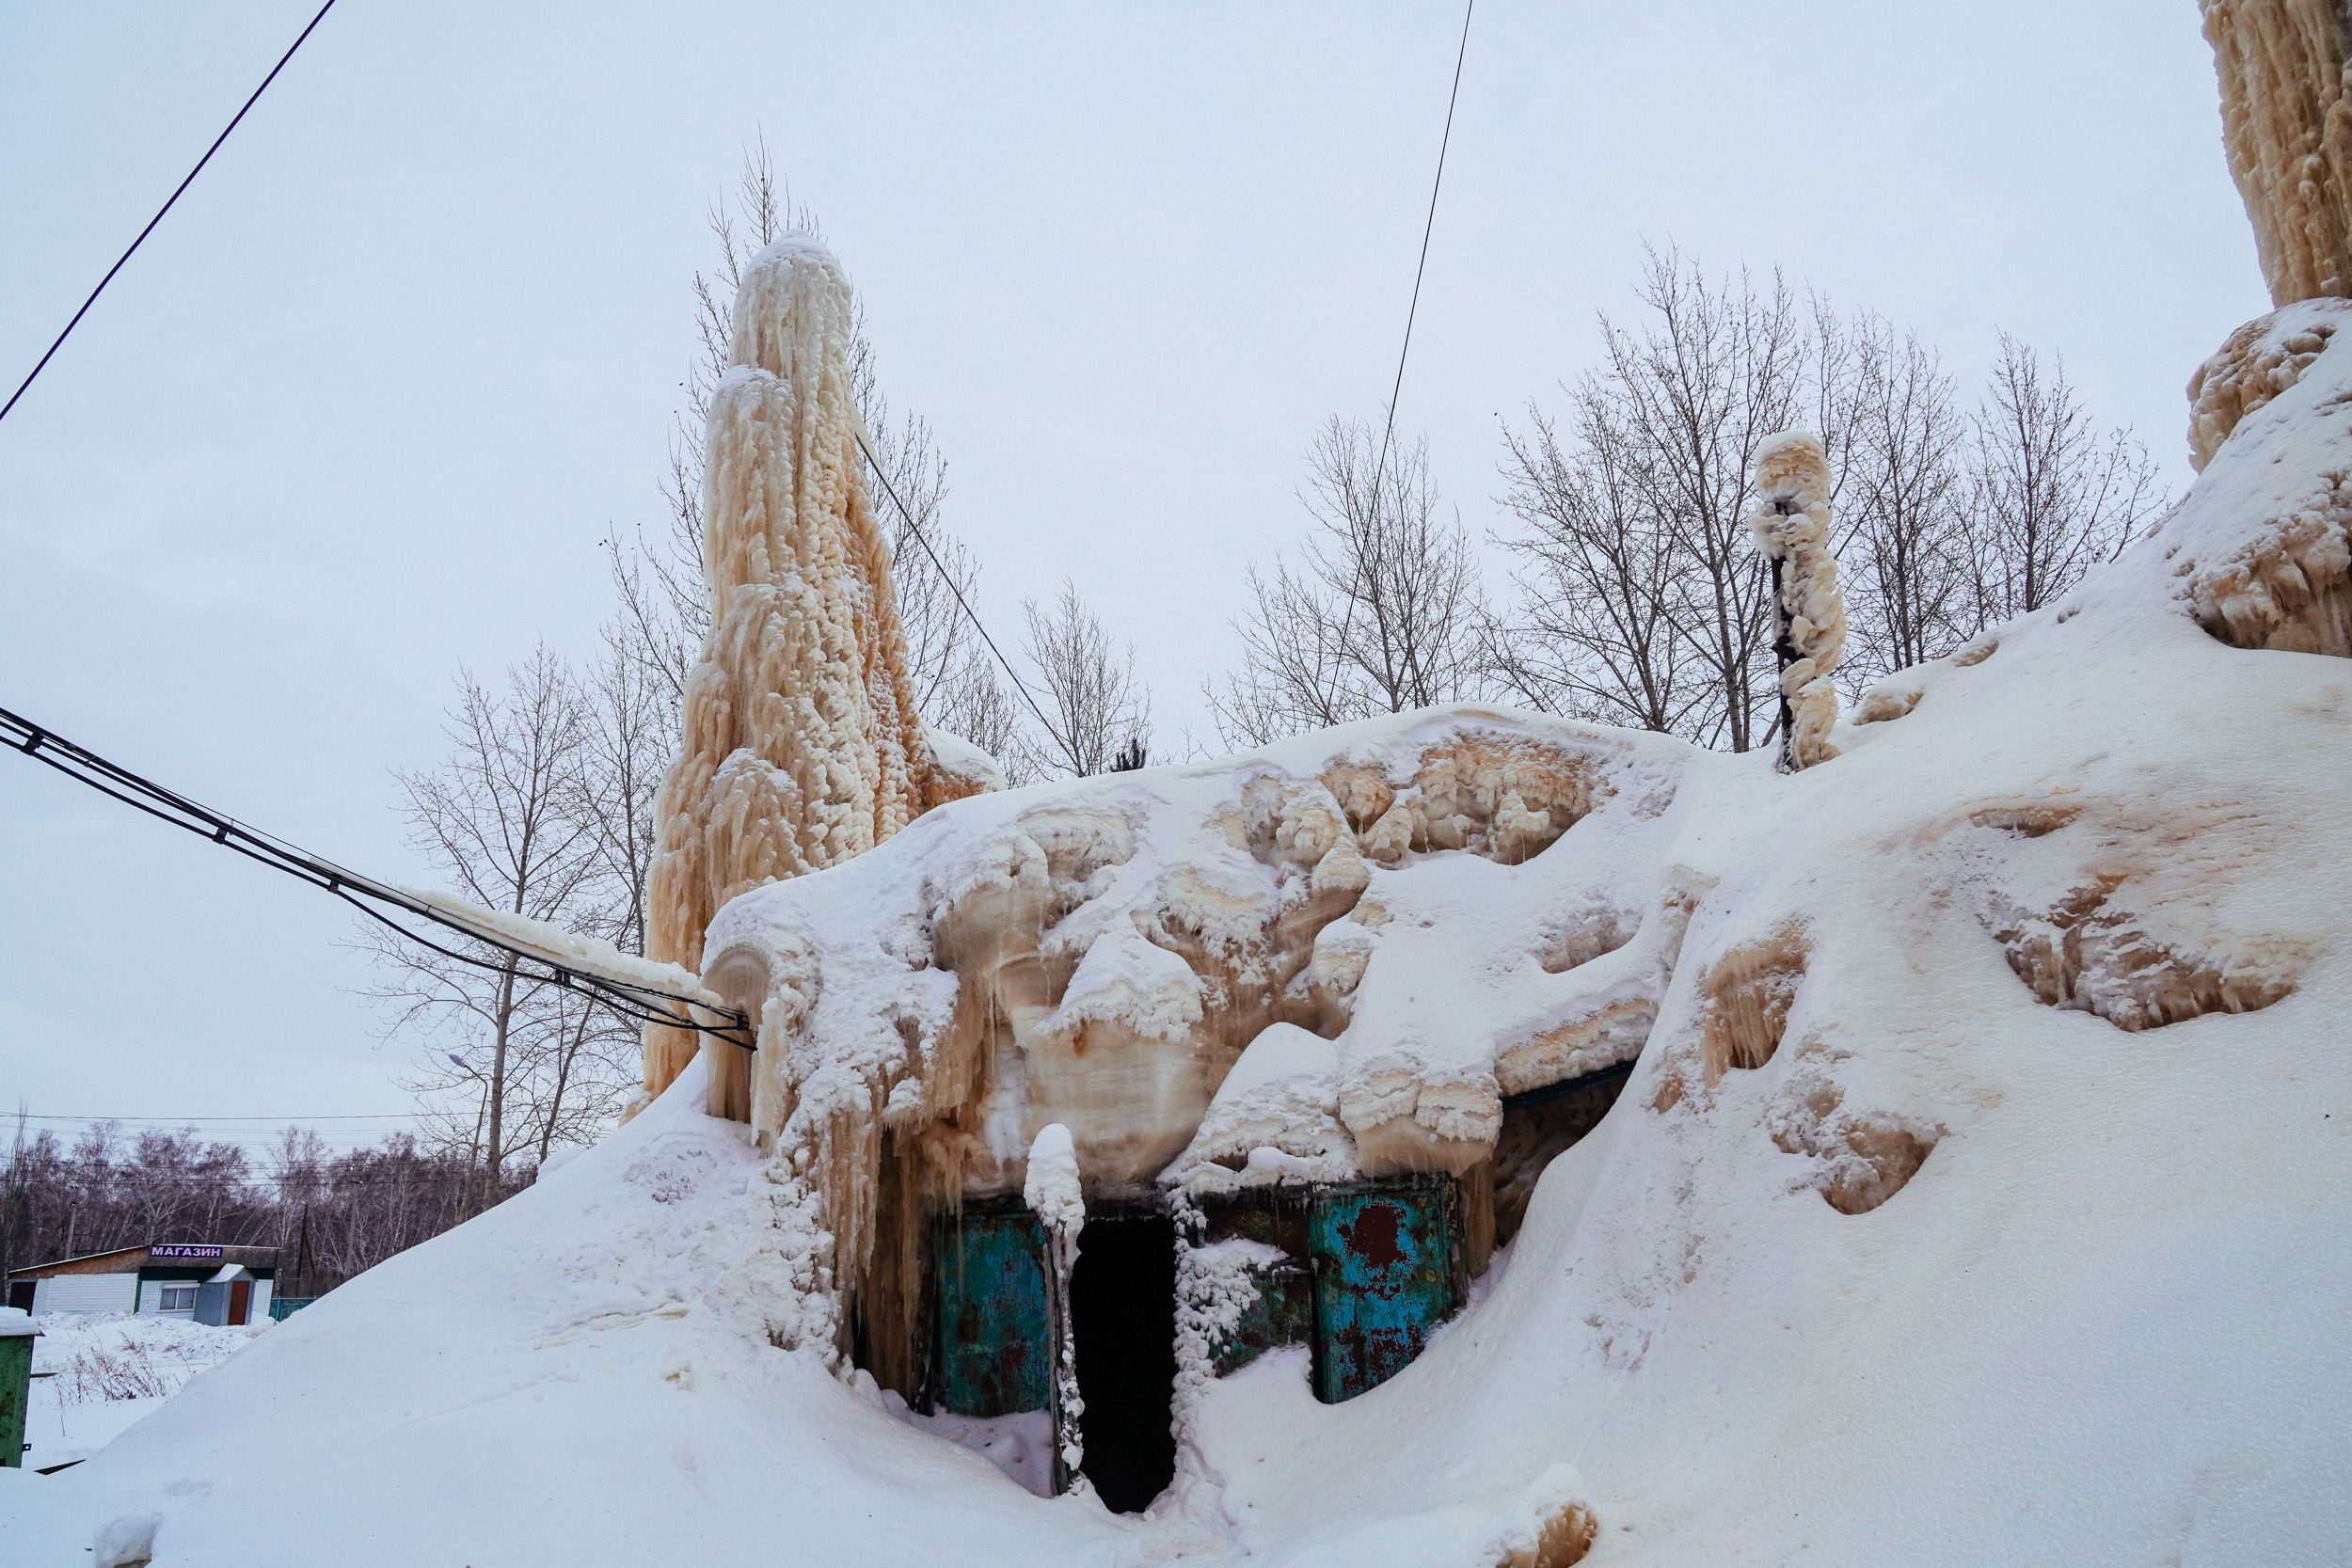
[2286, 124]
[801, 744]
[1053, 1193]
[1791, 522]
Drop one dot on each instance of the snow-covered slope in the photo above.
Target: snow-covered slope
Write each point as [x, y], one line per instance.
[1981, 1196]
[96, 1373]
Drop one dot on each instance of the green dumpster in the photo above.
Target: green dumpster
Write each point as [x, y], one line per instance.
[16, 1379]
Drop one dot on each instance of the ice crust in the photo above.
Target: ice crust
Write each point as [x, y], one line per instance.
[1982, 1191]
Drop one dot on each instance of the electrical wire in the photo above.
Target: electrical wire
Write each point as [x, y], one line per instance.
[948, 578]
[175, 1121]
[1428, 228]
[165, 208]
[635, 1002]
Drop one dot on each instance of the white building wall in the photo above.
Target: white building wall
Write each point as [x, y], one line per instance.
[151, 1298]
[87, 1293]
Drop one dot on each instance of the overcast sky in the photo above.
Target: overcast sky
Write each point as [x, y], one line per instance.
[363, 408]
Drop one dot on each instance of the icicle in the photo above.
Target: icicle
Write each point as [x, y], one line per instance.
[1053, 1193]
[1791, 523]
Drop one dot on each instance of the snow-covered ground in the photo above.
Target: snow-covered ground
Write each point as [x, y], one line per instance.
[95, 1374]
[1982, 1192]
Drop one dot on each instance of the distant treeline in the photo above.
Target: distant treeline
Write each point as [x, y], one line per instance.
[329, 1216]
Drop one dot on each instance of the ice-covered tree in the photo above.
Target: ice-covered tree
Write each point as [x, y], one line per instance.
[1632, 609]
[658, 574]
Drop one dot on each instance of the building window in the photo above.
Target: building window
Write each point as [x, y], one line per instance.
[178, 1298]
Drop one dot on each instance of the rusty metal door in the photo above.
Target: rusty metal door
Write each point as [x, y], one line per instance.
[994, 1355]
[1384, 1278]
[1283, 1310]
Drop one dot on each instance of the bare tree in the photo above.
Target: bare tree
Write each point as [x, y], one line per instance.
[329, 1215]
[1907, 569]
[1596, 635]
[1097, 708]
[1641, 599]
[1716, 368]
[2049, 496]
[1381, 614]
[1644, 599]
[499, 821]
[984, 711]
[629, 734]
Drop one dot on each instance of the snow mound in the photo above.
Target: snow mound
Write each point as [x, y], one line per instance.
[1981, 1191]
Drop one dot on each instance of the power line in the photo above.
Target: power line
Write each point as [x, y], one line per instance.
[1427, 229]
[165, 208]
[633, 1000]
[1428, 226]
[388, 1116]
[948, 578]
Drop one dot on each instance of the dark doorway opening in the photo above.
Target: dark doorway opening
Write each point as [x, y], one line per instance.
[1122, 1318]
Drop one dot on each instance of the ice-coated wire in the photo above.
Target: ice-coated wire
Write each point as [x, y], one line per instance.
[165, 208]
[638, 1003]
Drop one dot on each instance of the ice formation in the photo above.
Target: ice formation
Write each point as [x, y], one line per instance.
[1792, 521]
[2288, 584]
[2287, 118]
[802, 746]
[1055, 1196]
[1977, 1190]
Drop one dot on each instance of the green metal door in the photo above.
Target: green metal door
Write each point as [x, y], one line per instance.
[994, 1355]
[16, 1367]
[1384, 1278]
[1281, 1311]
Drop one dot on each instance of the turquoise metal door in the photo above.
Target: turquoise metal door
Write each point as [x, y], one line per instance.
[996, 1356]
[1384, 1278]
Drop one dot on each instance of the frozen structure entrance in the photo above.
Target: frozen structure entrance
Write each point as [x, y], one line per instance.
[1358, 1272]
[1272, 1134]
[1122, 1325]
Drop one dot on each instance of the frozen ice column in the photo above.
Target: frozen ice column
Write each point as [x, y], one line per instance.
[1053, 1193]
[2286, 124]
[1791, 523]
[800, 744]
